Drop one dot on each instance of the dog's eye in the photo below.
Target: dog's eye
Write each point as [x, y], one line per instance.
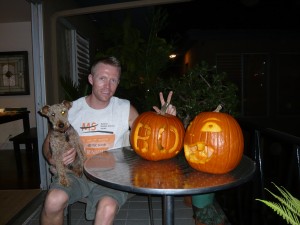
[63, 112]
[52, 114]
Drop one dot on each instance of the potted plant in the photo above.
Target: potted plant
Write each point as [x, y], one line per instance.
[288, 206]
[143, 55]
[201, 89]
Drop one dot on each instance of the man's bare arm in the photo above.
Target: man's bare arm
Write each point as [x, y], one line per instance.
[47, 151]
[133, 114]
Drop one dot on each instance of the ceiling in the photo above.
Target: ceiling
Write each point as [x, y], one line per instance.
[10, 13]
[208, 15]
[196, 14]
[228, 14]
[220, 15]
[236, 14]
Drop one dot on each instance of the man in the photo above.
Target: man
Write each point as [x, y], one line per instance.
[102, 119]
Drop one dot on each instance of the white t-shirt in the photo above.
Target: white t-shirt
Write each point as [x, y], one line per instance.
[100, 129]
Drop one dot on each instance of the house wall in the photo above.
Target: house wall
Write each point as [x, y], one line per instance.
[279, 85]
[208, 44]
[16, 36]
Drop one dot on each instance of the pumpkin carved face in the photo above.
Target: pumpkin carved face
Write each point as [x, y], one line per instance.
[213, 143]
[156, 137]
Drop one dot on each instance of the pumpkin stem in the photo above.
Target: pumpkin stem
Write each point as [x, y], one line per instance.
[218, 109]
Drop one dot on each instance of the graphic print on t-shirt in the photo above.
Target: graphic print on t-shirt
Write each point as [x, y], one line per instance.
[98, 138]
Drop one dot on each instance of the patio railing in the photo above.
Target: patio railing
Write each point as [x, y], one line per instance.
[276, 150]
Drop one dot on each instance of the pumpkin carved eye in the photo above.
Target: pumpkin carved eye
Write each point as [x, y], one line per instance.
[211, 127]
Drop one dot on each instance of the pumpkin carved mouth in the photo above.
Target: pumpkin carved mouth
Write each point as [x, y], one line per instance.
[199, 152]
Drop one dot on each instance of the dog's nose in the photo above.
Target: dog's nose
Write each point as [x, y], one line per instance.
[61, 125]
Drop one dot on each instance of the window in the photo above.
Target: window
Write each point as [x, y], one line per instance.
[80, 56]
[288, 78]
[73, 53]
[250, 73]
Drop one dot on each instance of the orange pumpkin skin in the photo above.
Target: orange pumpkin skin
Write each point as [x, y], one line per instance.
[156, 137]
[214, 143]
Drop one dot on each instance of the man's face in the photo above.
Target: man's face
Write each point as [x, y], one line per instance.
[105, 81]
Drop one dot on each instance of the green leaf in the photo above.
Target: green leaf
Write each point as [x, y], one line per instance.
[288, 206]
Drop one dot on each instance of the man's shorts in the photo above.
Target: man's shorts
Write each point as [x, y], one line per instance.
[82, 187]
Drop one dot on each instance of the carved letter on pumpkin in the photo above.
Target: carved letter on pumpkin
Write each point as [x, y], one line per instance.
[157, 137]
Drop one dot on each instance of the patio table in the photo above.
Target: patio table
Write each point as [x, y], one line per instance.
[124, 170]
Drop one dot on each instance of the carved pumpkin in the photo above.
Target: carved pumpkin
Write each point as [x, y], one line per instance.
[214, 142]
[156, 137]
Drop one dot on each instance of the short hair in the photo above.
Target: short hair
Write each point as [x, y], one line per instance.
[111, 60]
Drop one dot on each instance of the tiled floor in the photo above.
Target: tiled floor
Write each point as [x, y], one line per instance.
[238, 204]
[134, 212]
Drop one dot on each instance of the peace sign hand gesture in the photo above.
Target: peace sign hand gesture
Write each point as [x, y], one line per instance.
[165, 105]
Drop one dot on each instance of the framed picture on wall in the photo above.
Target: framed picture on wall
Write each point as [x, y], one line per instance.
[14, 74]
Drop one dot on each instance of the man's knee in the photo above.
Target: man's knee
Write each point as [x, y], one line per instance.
[56, 200]
[108, 205]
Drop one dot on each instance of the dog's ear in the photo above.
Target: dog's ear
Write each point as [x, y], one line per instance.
[44, 111]
[68, 104]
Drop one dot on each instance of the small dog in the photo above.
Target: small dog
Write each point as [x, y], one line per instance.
[63, 137]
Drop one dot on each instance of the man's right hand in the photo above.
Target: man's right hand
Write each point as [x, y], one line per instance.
[69, 156]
